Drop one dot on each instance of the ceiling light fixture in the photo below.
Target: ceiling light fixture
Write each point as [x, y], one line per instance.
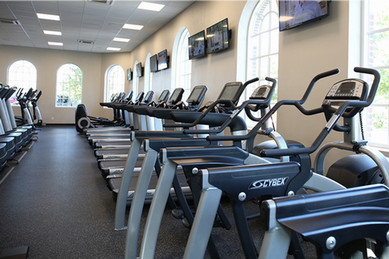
[54, 43]
[57, 33]
[132, 26]
[113, 49]
[121, 39]
[151, 6]
[51, 17]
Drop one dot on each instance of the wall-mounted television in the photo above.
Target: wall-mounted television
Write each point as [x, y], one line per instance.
[154, 63]
[139, 69]
[196, 44]
[129, 74]
[294, 13]
[163, 60]
[218, 37]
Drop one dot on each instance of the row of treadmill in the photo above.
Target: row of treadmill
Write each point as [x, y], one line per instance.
[187, 156]
[16, 132]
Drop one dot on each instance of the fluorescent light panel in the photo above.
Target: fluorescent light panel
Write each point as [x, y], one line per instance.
[51, 17]
[121, 39]
[54, 43]
[132, 26]
[151, 6]
[58, 33]
[113, 49]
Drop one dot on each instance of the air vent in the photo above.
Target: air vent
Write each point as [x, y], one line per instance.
[86, 42]
[107, 2]
[9, 21]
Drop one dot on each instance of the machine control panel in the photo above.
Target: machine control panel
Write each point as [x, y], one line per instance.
[261, 93]
[349, 89]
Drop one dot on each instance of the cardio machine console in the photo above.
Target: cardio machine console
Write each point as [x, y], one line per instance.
[261, 93]
[348, 89]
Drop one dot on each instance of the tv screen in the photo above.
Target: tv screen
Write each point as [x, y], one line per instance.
[196, 44]
[154, 63]
[139, 69]
[163, 60]
[218, 37]
[129, 74]
[294, 13]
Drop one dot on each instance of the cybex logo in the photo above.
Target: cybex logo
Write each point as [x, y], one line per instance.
[268, 183]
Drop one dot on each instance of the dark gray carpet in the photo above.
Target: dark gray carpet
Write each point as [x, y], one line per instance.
[57, 203]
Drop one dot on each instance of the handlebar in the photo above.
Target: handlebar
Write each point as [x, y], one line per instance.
[296, 103]
[237, 111]
[210, 108]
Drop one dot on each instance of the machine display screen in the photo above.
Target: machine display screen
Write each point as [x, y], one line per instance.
[163, 95]
[260, 92]
[229, 92]
[346, 88]
[195, 95]
[175, 95]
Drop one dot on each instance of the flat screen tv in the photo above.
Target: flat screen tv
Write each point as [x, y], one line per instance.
[294, 13]
[218, 37]
[139, 69]
[163, 60]
[154, 63]
[129, 74]
[196, 44]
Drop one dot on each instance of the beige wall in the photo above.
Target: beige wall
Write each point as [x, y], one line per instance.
[214, 70]
[47, 62]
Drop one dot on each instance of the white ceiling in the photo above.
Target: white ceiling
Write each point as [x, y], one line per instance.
[83, 20]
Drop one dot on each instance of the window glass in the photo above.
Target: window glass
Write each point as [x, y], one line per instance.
[262, 46]
[183, 65]
[114, 81]
[376, 55]
[69, 86]
[22, 74]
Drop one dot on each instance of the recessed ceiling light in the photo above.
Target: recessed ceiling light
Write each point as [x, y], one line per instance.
[151, 6]
[132, 26]
[121, 39]
[113, 49]
[48, 16]
[53, 43]
[52, 32]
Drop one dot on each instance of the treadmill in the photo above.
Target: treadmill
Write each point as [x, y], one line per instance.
[112, 153]
[122, 135]
[176, 96]
[116, 166]
[229, 95]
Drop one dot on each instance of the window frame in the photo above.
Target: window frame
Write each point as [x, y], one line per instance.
[180, 46]
[58, 82]
[107, 94]
[32, 80]
[365, 61]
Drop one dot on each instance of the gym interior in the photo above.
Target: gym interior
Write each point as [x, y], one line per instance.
[55, 204]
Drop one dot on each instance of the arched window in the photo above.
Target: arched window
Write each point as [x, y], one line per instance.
[114, 81]
[258, 53]
[135, 80]
[69, 86]
[375, 53]
[148, 85]
[22, 74]
[181, 65]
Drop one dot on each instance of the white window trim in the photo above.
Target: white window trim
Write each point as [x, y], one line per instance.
[106, 98]
[174, 58]
[147, 84]
[135, 80]
[56, 86]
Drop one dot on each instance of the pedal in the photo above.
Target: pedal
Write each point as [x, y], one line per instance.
[178, 213]
[185, 222]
